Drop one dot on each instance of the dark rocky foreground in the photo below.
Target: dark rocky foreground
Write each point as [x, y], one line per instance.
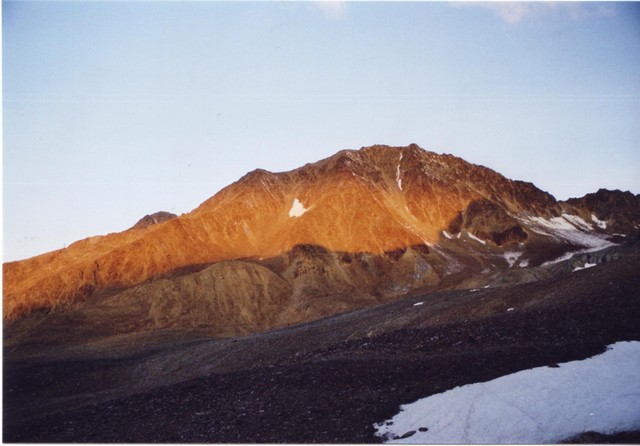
[322, 382]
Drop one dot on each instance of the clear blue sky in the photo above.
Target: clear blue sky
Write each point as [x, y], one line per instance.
[113, 110]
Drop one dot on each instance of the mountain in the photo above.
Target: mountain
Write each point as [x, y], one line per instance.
[274, 249]
[310, 305]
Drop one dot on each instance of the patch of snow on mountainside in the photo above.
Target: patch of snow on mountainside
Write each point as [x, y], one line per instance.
[562, 258]
[600, 223]
[297, 209]
[447, 235]
[577, 222]
[565, 221]
[398, 179]
[566, 228]
[473, 237]
[540, 405]
[591, 242]
[511, 257]
[586, 265]
[554, 222]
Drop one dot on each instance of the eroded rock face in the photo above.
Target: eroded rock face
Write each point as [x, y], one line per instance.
[489, 222]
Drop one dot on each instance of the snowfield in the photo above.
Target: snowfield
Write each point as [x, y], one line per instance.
[540, 405]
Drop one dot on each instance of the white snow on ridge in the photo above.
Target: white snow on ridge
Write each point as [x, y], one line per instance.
[447, 235]
[600, 223]
[540, 405]
[297, 209]
[398, 179]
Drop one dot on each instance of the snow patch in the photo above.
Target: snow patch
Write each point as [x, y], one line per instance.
[600, 223]
[398, 179]
[417, 304]
[542, 405]
[568, 255]
[577, 222]
[554, 223]
[524, 263]
[473, 237]
[562, 258]
[447, 235]
[564, 228]
[511, 257]
[297, 209]
[586, 265]
[565, 221]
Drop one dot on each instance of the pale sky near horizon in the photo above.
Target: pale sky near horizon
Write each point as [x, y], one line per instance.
[113, 110]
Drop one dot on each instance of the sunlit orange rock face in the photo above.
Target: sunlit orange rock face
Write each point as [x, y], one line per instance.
[377, 199]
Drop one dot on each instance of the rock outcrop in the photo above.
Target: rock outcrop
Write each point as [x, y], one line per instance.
[614, 210]
[153, 219]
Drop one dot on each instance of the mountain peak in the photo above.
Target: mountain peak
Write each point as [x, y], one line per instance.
[153, 219]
